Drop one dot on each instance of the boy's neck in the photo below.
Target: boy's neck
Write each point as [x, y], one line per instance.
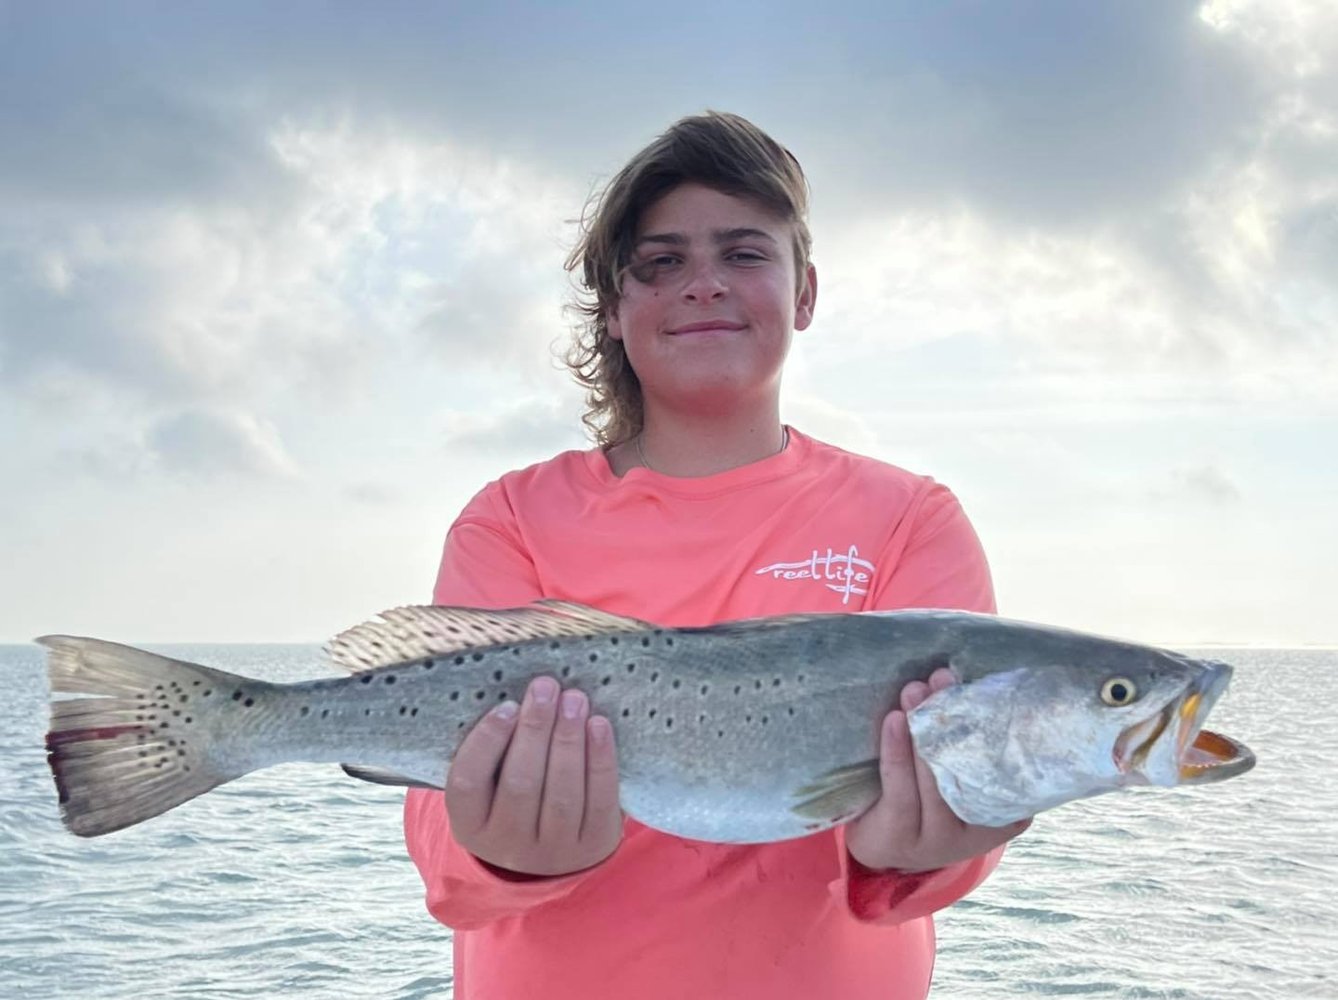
[693, 445]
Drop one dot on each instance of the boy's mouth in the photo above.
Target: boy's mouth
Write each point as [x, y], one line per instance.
[707, 326]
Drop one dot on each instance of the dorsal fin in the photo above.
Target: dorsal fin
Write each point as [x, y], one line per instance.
[412, 633]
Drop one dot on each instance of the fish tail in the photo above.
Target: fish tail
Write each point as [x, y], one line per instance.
[139, 747]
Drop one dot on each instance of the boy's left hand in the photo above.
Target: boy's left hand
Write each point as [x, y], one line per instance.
[910, 828]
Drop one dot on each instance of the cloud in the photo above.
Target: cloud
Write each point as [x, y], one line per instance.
[535, 427]
[219, 443]
[1203, 483]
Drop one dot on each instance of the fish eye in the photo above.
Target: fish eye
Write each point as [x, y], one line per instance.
[1118, 691]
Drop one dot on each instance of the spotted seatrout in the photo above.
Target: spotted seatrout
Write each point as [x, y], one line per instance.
[743, 732]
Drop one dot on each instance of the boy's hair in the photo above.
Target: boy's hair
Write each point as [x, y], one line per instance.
[717, 150]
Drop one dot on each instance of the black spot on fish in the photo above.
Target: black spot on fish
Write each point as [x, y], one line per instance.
[790, 710]
[184, 698]
[515, 651]
[606, 680]
[555, 645]
[325, 713]
[669, 722]
[747, 718]
[645, 642]
[459, 660]
[188, 719]
[195, 683]
[677, 684]
[651, 713]
[764, 720]
[669, 640]
[306, 709]
[429, 664]
[207, 692]
[776, 682]
[654, 676]
[181, 753]
[390, 678]
[404, 710]
[720, 734]
[705, 688]
[613, 640]
[481, 695]
[631, 668]
[501, 696]
[801, 678]
[497, 675]
[366, 678]
[366, 711]
[413, 712]
[477, 656]
[236, 696]
[627, 712]
[738, 688]
[757, 685]
[455, 696]
[566, 672]
[249, 702]
[176, 712]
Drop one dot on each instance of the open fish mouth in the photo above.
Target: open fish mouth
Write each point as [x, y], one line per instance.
[1200, 756]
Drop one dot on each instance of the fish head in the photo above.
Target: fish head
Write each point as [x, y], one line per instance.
[1013, 742]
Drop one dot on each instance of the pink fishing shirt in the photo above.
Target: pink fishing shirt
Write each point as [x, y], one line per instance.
[813, 528]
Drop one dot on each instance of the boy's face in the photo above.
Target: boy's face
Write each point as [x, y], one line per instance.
[710, 300]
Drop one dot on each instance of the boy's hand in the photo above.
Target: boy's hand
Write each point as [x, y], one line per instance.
[910, 828]
[535, 791]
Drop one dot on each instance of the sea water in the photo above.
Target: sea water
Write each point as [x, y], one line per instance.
[295, 880]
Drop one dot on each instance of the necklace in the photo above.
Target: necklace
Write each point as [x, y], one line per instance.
[641, 452]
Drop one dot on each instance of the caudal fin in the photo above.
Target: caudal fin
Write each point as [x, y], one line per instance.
[137, 749]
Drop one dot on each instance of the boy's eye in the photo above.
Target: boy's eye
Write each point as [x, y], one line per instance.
[648, 269]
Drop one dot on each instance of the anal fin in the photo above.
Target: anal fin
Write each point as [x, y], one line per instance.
[381, 776]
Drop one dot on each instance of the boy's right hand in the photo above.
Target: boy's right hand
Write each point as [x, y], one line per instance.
[535, 791]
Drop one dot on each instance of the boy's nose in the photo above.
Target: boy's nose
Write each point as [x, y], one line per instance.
[704, 283]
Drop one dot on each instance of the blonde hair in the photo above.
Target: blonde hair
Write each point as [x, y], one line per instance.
[715, 149]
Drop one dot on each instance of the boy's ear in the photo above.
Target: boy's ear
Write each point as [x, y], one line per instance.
[807, 299]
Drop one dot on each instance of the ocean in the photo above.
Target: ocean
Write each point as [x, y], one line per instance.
[295, 880]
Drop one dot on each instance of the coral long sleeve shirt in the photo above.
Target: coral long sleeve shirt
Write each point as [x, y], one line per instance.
[813, 528]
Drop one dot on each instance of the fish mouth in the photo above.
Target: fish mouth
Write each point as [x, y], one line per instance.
[1171, 747]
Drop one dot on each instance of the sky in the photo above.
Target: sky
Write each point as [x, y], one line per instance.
[282, 286]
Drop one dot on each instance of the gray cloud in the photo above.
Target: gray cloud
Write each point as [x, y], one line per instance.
[219, 443]
[1203, 483]
[532, 427]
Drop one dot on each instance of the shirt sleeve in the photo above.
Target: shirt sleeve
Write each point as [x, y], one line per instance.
[484, 564]
[938, 563]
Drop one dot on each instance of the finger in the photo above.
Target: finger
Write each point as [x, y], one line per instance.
[603, 818]
[515, 805]
[912, 694]
[896, 765]
[564, 784]
[941, 678]
[472, 779]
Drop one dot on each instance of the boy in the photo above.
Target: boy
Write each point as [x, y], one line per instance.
[699, 506]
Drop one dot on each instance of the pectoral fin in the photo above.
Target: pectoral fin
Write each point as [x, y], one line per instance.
[840, 794]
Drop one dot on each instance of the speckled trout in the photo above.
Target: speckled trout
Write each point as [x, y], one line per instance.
[743, 732]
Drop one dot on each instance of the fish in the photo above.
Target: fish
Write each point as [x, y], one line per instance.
[742, 732]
